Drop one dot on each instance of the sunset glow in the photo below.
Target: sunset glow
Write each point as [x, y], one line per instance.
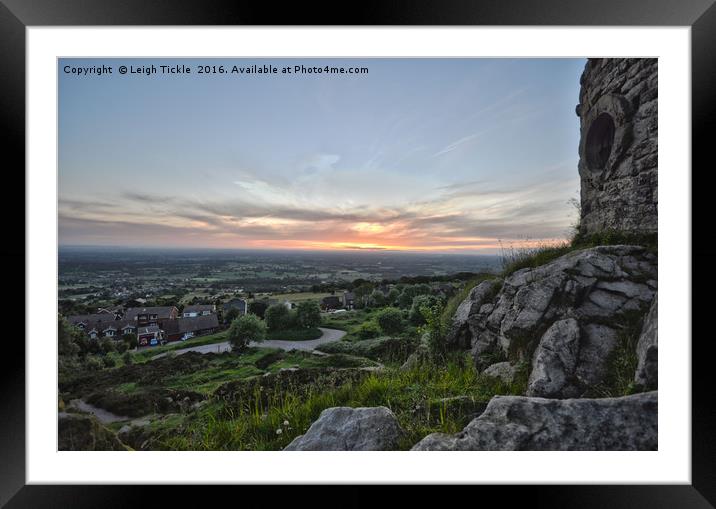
[443, 155]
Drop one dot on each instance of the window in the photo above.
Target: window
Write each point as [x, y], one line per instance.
[600, 139]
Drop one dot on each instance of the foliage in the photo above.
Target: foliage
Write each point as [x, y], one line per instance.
[368, 330]
[258, 308]
[231, 315]
[130, 340]
[390, 320]
[435, 330]
[295, 334]
[376, 299]
[514, 259]
[246, 329]
[432, 398]
[277, 317]
[127, 358]
[308, 314]
[416, 316]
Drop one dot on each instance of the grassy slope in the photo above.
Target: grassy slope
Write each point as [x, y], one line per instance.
[414, 396]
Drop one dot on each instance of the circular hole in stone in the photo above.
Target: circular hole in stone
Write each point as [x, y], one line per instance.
[600, 139]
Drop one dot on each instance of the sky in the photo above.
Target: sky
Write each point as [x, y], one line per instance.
[430, 155]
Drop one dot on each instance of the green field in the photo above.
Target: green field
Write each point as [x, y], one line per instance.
[299, 296]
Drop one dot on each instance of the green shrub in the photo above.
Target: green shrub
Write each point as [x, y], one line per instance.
[390, 320]
[415, 315]
[246, 329]
[308, 314]
[277, 317]
[368, 330]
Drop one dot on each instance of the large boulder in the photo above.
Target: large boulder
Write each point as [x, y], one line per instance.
[459, 332]
[83, 432]
[519, 423]
[575, 305]
[350, 429]
[647, 350]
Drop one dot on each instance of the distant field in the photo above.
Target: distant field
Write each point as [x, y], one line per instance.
[298, 297]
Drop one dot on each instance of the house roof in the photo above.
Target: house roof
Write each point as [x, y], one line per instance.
[195, 323]
[151, 329]
[160, 311]
[235, 303]
[330, 298]
[198, 308]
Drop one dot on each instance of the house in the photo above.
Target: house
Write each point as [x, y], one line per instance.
[330, 302]
[145, 335]
[174, 330]
[239, 304]
[198, 310]
[151, 315]
[103, 325]
[349, 299]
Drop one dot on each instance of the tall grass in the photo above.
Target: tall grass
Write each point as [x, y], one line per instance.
[269, 420]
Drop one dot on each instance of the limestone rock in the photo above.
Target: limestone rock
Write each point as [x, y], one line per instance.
[647, 350]
[459, 331]
[555, 361]
[83, 432]
[561, 317]
[518, 423]
[350, 429]
[502, 370]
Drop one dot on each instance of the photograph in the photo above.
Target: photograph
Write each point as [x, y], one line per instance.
[357, 254]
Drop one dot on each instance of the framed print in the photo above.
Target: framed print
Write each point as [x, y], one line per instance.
[423, 248]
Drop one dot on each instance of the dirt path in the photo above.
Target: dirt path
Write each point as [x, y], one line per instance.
[307, 346]
[103, 416]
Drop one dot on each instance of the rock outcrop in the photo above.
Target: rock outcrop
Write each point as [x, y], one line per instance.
[350, 429]
[647, 351]
[563, 317]
[518, 423]
[459, 333]
[618, 145]
[83, 432]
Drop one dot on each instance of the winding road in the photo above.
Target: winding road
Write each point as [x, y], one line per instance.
[308, 346]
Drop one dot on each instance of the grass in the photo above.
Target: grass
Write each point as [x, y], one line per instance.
[388, 350]
[269, 419]
[146, 354]
[350, 321]
[514, 259]
[294, 334]
[622, 362]
[299, 296]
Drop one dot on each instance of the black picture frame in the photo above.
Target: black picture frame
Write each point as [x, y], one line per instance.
[700, 15]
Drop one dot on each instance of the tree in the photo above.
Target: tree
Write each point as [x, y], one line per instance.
[277, 317]
[361, 294]
[127, 359]
[392, 297]
[308, 314]
[435, 329]
[231, 315]
[416, 315]
[258, 308]
[246, 329]
[106, 345]
[390, 320]
[377, 299]
[131, 340]
[68, 343]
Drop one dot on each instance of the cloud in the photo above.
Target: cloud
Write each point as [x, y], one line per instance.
[458, 143]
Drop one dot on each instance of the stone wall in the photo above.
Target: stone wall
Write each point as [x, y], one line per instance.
[618, 156]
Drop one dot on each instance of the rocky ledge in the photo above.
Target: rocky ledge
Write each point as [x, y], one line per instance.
[519, 423]
[565, 318]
